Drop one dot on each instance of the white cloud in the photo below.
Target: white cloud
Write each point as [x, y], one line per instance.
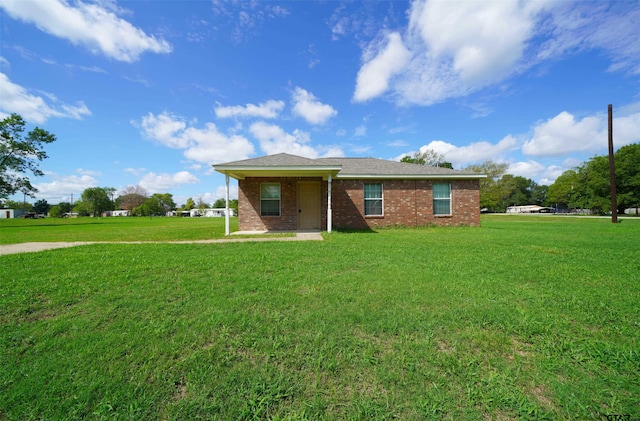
[274, 139]
[63, 186]
[269, 109]
[206, 145]
[166, 129]
[565, 134]
[461, 156]
[550, 174]
[220, 193]
[389, 59]
[611, 28]
[562, 134]
[90, 25]
[398, 144]
[360, 131]
[161, 183]
[92, 173]
[307, 106]
[134, 171]
[527, 169]
[246, 17]
[17, 99]
[452, 48]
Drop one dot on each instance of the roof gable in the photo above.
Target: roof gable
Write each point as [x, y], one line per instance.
[277, 160]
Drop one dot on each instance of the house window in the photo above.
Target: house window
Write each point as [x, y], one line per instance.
[270, 199]
[373, 199]
[441, 199]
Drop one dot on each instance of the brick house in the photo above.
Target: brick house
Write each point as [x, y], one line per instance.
[288, 192]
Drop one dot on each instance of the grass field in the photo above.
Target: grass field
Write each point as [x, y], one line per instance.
[523, 318]
[112, 229]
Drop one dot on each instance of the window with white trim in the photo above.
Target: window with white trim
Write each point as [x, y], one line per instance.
[373, 199]
[441, 199]
[270, 199]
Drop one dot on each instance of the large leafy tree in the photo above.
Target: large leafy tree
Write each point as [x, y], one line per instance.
[131, 197]
[97, 200]
[517, 190]
[587, 186]
[595, 187]
[190, 204]
[20, 154]
[158, 204]
[41, 207]
[563, 192]
[65, 207]
[628, 176]
[492, 193]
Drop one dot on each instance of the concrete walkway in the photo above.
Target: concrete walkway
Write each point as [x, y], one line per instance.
[34, 247]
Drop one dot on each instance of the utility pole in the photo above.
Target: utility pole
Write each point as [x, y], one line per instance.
[612, 171]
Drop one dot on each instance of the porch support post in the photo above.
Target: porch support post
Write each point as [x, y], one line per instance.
[226, 206]
[329, 223]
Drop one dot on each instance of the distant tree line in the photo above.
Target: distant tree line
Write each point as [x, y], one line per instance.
[584, 187]
[95, 201]
[587, 185]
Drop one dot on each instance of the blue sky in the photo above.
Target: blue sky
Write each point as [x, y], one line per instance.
[152, 93]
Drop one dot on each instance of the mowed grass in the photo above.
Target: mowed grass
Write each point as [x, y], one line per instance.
[112, 229]
[523, 318]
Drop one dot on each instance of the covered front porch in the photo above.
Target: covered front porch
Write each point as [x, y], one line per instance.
[282, 197]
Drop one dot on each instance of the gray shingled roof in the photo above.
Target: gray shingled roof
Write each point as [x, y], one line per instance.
[357, 167]
[373, 166]
[277, 160]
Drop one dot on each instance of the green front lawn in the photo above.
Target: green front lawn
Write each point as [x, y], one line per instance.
[532, 318]
[112, 229]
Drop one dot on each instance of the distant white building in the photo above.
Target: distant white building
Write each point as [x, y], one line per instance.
[11, 213]
[207, 213]
[217, 213]
[529, 209]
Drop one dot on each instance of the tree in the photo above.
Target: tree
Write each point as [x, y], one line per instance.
[491, 193]
[41, 207]
[627, 161]
[12, 204]
[220, 203]
[158, 204]
[131, 197]
[65, 207]
[95, 200]
[594, 184]
[427, 157]
[201, 205]
[517, 190]
[55, 212]
[20, 154]
[587, 186]
[189, 205]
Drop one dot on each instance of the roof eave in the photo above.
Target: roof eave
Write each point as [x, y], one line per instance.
[413, 176]
[242, 172]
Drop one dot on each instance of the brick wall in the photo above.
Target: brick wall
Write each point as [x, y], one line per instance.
[249, 218]
[406, 202]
